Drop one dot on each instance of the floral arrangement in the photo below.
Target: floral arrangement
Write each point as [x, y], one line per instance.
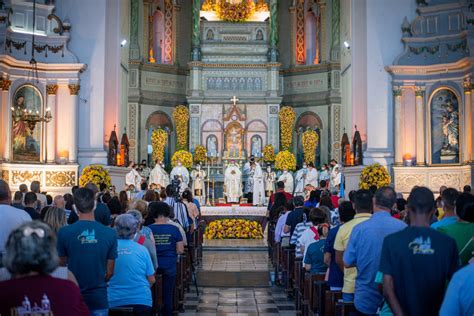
[310, 142]
[238, 12]
[208, 5]
[184, 156]
[287, 120]
[159, 139]
[285, 160]
[95, 174]
[181, 118]
[261, 6]
[200, 154]
[234, 229]
[269, 153]
[374, 174]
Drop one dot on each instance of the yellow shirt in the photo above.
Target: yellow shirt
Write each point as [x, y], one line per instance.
[340, 244]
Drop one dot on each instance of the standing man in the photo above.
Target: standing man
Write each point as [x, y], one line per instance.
[287, 180]
[159, 176]
[183, 175]
[258, 186]
[336, 175]
[89, 250]
[312, 177]
[179, 212]
[199, 185]
[365, 247]
[448, 197]
[280, 189]
[418, 261]
[301, 181]
[35, 187]
[31, 202]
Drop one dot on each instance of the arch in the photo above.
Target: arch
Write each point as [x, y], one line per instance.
[159, 119]
[212, 125]
[308, 119]
[257, 126]
[158, 35]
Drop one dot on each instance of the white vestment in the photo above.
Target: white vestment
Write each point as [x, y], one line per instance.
[159, 176]
[199, 186]
[233, 183]
[133, 178]
[270, 178]
[300, 179]
[258, 186]
[312, 177]
[183, 175]
[336, 176]
[287, 178]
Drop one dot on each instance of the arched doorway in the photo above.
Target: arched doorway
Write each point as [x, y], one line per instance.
[307, 120]
[157, 120]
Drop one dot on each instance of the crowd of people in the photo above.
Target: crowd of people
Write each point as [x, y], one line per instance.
[386, 254]
[87, 252]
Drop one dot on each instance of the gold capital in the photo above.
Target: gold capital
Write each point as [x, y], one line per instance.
[6, 84]
[467, 84]
[419, 91]
[52, 89]
[74, 88]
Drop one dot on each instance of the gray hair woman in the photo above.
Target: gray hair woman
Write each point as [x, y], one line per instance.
[30, 258]
[141, 237]
[134, 273]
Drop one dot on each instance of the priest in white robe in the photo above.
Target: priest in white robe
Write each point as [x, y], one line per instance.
[335, 175]
[233, 183]
[270, 178]
[258, 186]
[182, 173]
[287, 179]
[159, 176]
[199, 186]
[312, 176]
[133, 178]
[300, 179]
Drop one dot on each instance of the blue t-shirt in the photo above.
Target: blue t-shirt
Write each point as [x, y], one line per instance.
[336, 276]
[445, 222]
[129, 284]
[166, 236]
[88, 245]
[315, 257]
[459, 300]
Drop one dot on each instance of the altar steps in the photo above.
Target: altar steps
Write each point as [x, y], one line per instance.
[231, 279]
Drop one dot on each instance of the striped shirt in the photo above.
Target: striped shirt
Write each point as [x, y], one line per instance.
[180, 212]
[295, 238]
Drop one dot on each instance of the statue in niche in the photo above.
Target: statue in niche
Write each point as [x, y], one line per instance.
[346, 149]
[357, 147]
[450, 127]
[256, 149]
[113, 149]
[234, 142]
[212, 146]
[259, 36]
[210, 35]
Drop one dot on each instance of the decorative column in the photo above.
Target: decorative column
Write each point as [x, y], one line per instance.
[168, 42]
[176, 31]
[467, 152]
[323, 33]
[274, 126]
[7, 120]
[51, 90]
[195, 126]
[292, 10]
[300, 41]
[146, 30]
[72, 142]
[397, 96]
[134, 46]
[196, 35]
[335, 28]
[273, 54]
[420, 125]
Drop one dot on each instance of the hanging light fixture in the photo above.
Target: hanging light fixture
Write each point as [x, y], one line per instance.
[33, 71]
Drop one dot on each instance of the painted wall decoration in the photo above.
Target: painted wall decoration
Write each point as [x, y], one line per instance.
[26, 139]
[444, 127]
[211, 146]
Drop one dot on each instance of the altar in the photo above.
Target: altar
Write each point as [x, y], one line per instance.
[252, 213]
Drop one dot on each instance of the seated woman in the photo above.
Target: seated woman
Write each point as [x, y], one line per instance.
[314, 257]
[134, 274]
[30, 257]
[169, 244]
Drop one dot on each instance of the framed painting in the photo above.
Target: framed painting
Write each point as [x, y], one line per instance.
[26, 137]
[444, 117]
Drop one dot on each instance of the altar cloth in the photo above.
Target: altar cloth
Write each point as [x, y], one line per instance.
[235, 210]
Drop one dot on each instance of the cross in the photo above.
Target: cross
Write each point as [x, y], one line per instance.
[234, 100]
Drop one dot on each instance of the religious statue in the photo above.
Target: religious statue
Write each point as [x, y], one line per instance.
[198, 187]
[113, 149]
[233, 183]
[335, 174]
[249, 171]
[182, 174]
[258, 186]
[287, 179]
[212, 146]
[301, 180]
[450, 128]
[357, 147]
[312, 176]
[158, 176]
[234, 142]
[133, 179]
[270, 178]
[256, 146]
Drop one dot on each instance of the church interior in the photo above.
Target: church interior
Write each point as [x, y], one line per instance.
[363, 92]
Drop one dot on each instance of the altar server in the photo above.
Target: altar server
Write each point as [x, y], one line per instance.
[159, 176]
[258, 186]
[287, 179]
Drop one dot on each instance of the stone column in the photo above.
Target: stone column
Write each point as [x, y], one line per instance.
[397, 95]
[335, 28]
[72, 143]
[146, 30]
[51, 90]
[195, 126]
[176, 32]
[324, 30]
[6, 120]
[134, 46]
[196, 32]
[420, 125]
[274, 126]
[273, 54]
[467, 152]
[292, 36]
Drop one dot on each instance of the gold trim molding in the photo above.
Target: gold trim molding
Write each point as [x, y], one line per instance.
[74, 88]
[52, 89]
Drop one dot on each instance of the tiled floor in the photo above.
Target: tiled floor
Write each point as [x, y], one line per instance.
[235, 261]
[239, 301]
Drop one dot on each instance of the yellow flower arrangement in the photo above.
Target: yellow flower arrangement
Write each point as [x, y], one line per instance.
[287, 120]
[159, 139]
[374, 174]
[269, 153]
[208, 5]
[261, 6]
[239, 12]
[181, 118]
[285, 160]
[310, 142]
[200, 154]
[95, 174]
[184, 156]
[234, 229]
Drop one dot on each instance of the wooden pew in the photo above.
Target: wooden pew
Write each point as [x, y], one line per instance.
[121, 311]
[298, 275]
[344, 309]
[277, 262]
[313, 296]
[331, 299]
[289, 270]
[157, 294]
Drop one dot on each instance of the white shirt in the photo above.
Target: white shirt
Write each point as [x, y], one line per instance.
[11, 218]
[312, 177]
[306, 239]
